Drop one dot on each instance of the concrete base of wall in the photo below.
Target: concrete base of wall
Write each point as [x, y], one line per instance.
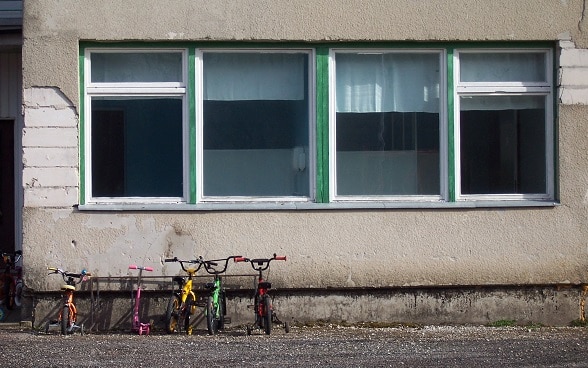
[553, 305]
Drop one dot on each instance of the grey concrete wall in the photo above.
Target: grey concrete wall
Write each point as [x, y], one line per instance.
[325, 248]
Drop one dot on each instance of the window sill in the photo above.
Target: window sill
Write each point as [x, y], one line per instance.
[291, 206]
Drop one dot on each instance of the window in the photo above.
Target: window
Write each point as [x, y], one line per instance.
[255, 126]
[135, 125]
[387, 125]
[504, 124]
[393, 126]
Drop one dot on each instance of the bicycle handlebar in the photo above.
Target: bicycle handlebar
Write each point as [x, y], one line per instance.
[143, 268]
[210, 265]
[193, 261]
[262, 263]
[81, 276]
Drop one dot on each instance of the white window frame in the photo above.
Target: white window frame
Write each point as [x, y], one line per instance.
[134, 89]
[514, 88]
[443, 195]
[199, 139]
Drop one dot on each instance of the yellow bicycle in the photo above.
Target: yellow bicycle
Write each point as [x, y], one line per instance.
[182, 303]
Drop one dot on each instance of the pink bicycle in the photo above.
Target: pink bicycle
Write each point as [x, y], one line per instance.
[137, 325]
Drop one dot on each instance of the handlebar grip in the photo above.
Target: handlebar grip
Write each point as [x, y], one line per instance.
[52, 268]
[280, 258]
[132, 267]
[240, 259]
[170, 259]
[148, 268]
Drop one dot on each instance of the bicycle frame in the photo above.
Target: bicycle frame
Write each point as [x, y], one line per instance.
[216, 306]
[67, 316]
[183, 302]
[137, 325]
[263, 306]
[12, 282]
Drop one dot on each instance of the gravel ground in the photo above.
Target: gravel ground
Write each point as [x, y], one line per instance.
[325, 346]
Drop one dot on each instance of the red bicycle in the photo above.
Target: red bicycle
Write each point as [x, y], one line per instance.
[263, 306]
[12, 282]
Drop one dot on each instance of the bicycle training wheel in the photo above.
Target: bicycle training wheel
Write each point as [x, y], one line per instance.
[267, 317]
[18, 294]
[65, 320]
[211, 317]
[171, 315]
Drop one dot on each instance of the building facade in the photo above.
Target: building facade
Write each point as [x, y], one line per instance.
[400, 153]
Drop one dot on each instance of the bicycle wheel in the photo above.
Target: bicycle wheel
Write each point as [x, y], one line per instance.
[190, 303]
[267, 316]
[211, 317]
[172, 314]
[65, 320]
[9, 294]
[18, 294]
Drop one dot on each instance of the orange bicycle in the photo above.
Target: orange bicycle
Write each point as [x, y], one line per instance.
[67, 318]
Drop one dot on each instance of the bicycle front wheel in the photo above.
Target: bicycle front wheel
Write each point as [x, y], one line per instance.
[211, 317]
[65, 320]
[267, 315]
[172, 314]
[188, 311]
[9, 294]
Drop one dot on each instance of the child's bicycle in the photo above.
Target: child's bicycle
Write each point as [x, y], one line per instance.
[67, 317]
[12, 282]
[182, 303]
[263, 308]
[216, 305]
[137, 325]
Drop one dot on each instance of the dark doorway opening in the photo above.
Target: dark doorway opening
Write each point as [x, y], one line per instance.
[7, 225]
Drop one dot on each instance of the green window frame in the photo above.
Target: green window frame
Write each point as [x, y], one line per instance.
[318, 154]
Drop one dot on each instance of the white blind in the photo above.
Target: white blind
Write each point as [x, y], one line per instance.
[254, 76]
[401, 82]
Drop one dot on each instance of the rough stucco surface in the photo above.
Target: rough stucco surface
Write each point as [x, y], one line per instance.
[345, 248]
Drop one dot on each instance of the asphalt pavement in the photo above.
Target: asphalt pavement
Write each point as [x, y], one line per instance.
[303, 346]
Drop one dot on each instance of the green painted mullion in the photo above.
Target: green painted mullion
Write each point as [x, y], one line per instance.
[450, 126]
[191, 96]
[322, 125]
[81, 136]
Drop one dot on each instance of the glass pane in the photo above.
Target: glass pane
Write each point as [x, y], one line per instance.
[256, 147]
[502, 67]
[403, 82]
[389, 154]
[503, 148]
[136, 67]
[137, 147]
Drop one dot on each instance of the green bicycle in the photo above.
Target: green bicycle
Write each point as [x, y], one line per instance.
[216, 305]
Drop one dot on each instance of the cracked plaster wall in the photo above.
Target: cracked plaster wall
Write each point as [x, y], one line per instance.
[325, 248]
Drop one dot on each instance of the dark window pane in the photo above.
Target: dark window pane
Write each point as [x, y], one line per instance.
[137, 147]
[503, 145]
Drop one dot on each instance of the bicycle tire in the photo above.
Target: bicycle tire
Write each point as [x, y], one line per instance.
[267, 316]
[9, 294]
[190, 303]
[65, 320]
[18, 293]
[172, 314]
[211, 319]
